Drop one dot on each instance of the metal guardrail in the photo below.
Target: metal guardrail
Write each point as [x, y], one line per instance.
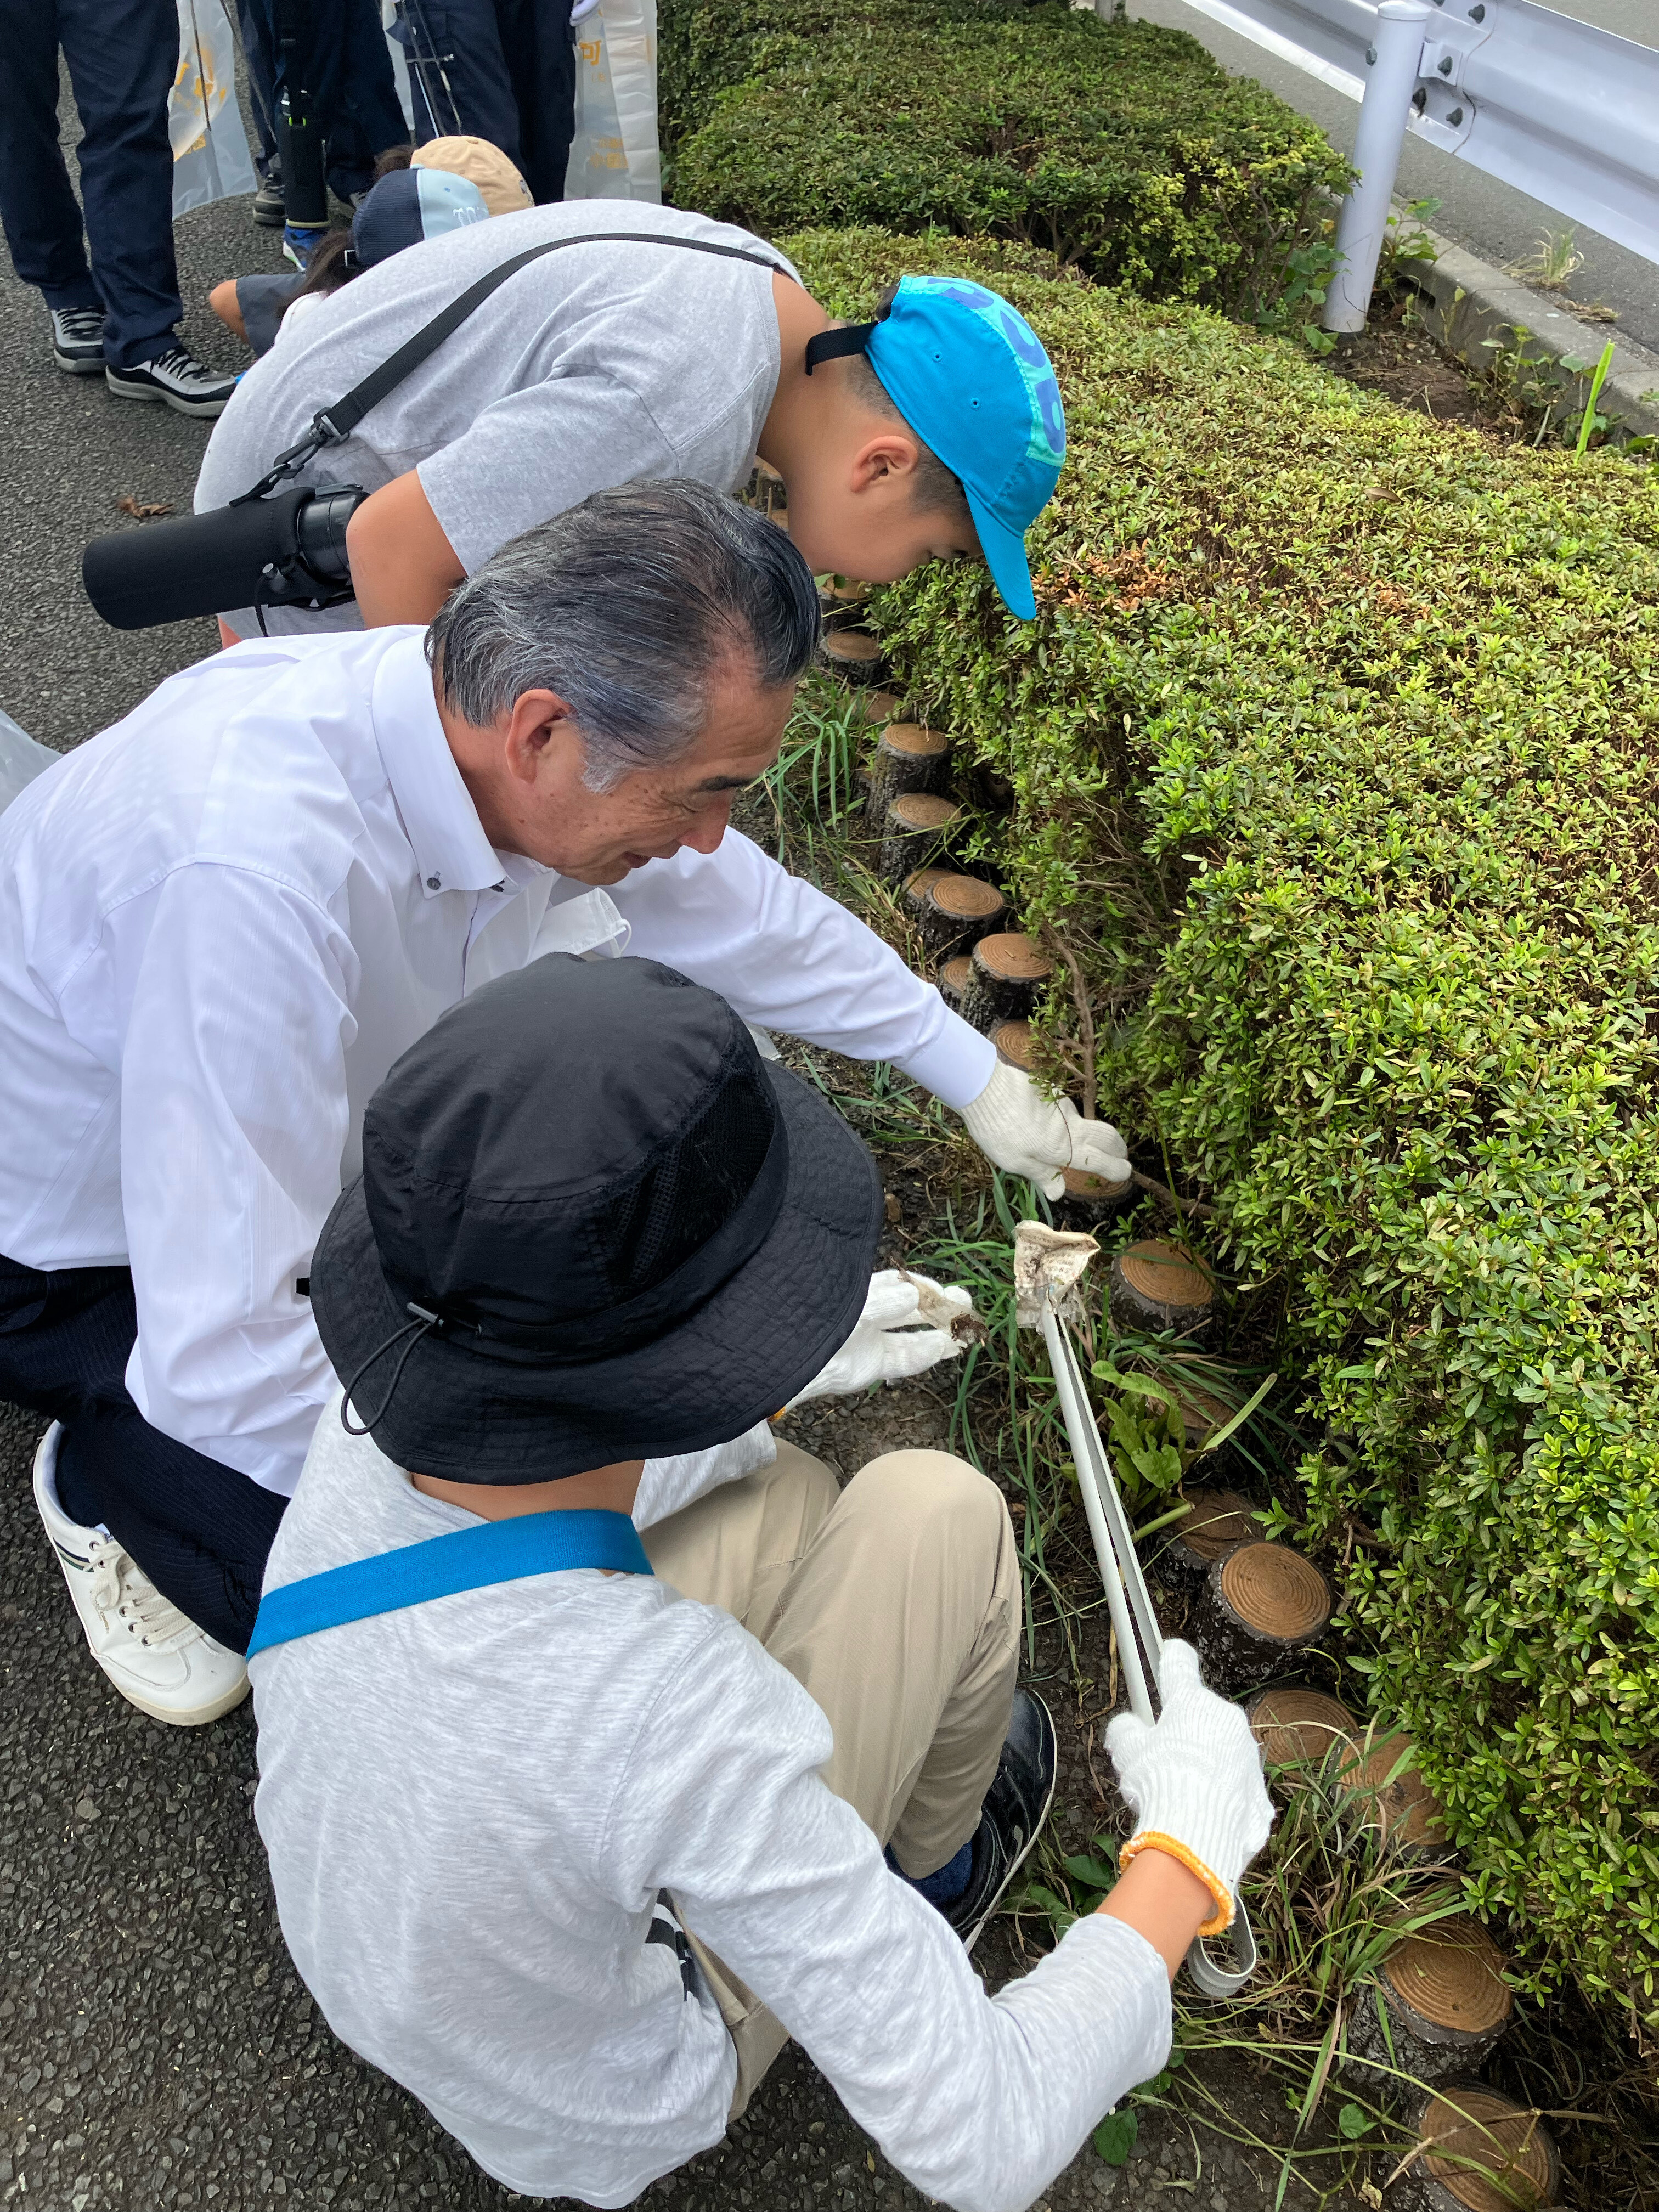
[1559, 108]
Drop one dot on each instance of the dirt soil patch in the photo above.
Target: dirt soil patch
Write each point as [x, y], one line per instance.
[1395, 356]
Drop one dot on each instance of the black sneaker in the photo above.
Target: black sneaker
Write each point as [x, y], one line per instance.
[1016, 1806]
[269, 211]
[177, 380]
[77, 339]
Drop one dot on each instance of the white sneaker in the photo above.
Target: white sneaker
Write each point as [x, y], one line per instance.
[158, 1659]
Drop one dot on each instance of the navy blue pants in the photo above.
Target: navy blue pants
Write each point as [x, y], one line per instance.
[354, 94]
[200, 1531]
[499, 69]
[123, 55]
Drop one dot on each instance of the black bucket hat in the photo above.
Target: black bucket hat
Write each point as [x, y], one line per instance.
[592, 1225]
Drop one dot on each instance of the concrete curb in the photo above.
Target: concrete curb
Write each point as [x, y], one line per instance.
[1473, 310]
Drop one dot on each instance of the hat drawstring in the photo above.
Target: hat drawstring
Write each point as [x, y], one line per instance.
[414, 1330]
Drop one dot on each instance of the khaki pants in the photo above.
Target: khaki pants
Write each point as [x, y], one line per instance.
[896, 1603]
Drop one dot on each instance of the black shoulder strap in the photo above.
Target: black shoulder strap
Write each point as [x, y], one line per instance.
[331, 424]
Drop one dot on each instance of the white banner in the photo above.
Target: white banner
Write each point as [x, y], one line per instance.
[615, 154]
[210, 159]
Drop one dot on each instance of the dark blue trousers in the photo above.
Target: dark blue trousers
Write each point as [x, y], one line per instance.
[354, 94]
[200, 1531]
[499, 69]
[123, 55]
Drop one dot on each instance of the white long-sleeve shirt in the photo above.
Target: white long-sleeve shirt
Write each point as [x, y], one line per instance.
[222, 921]
[469, 1807]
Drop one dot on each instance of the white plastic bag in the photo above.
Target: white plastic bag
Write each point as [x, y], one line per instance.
[615, 154]
[210, 159]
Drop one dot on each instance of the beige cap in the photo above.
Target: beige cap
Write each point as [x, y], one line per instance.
[503, 190]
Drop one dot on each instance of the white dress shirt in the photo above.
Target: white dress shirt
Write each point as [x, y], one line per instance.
[222, 921]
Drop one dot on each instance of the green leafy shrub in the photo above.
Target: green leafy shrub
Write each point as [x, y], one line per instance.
[1121, 147]
[705, 47]
[1335, 757]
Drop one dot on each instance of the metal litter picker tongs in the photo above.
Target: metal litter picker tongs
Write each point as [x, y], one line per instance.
[1048, 1264]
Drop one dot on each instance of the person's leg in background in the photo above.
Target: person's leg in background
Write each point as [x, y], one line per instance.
[177, 1523]
[541, 61]
[123, 55]
[896, 1603]
[365, 118]
[37, 207]
[262, 97]
[458, 76]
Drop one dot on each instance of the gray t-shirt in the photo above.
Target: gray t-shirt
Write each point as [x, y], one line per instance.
[471, 1807]
[601, 364]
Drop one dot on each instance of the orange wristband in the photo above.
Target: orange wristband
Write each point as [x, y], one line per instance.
[1150, 1840]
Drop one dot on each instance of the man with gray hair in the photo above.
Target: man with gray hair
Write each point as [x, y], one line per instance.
[223, 919]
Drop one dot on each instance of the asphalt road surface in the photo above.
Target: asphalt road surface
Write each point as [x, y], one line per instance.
[1501, 225]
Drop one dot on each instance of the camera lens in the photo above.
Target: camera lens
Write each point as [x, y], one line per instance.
[321, 529]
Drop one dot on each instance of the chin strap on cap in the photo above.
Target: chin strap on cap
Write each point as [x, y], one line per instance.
[831, 345]
[414, 1331]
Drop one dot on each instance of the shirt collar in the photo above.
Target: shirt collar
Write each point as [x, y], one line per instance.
[451, 849]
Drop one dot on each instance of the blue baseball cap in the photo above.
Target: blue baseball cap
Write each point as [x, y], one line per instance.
[409, 205]
[970, 377]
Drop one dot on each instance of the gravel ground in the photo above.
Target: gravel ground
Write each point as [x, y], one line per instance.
[156, 2048]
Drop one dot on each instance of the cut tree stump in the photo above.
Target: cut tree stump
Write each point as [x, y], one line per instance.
[1447, 2004]
[953, 981]
[1301, 1727]
[1219, 1522]
[913, 827]
[1258, 1606]
[1093, 1196]
[1202, 1412]
[1155, 1287]
[1201, 1415]
[853, 653]
[914, 897]
[1409, 1813]
[1013, 1040]
[1480, 2152]
[883, 706]
[840, 599]
[906, 757]
[959, 910]
[1011, 972]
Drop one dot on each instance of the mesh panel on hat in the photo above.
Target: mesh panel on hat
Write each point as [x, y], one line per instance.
[688, 1193]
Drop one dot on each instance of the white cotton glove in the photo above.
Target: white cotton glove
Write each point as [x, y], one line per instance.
[1027, 1134]
[1194, 1782]
[888, 1344]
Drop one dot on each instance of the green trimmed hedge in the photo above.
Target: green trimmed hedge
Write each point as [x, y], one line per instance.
[1335, 749]
[706, 47]
[1121, 147]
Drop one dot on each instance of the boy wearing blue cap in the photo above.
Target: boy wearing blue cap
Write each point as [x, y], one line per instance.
[654, 344]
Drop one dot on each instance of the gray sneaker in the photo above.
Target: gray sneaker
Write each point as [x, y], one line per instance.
[77, 339]
[177, 380]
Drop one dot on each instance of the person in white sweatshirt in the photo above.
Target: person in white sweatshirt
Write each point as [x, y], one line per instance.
[606, 1744]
